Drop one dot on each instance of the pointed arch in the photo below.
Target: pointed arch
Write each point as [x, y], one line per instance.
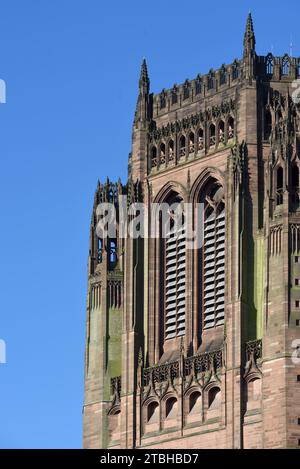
[221, 131]
[162, 156]
[153, 156]
[214, 397]
[171, 150]
[235, 70]
[212, 135]
[182, 146]
[201, 181]
[223, 75]
[191, 143]
[230, 128]
[211, 80]
[269, 64]
[285, 65]
[169, 188]
[200, 139]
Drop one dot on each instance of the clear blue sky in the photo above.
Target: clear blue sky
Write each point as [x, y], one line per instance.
[71, 68]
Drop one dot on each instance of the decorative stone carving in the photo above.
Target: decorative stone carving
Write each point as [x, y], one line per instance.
[191, 121]
[115, 390]
[253, 351]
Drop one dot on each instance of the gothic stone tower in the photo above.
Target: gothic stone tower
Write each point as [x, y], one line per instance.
[193, 348]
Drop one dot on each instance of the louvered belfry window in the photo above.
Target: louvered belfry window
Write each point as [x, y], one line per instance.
[175, 274]
[213, 259]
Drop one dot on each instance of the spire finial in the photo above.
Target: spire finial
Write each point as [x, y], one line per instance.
[249, 39]
[144, 78]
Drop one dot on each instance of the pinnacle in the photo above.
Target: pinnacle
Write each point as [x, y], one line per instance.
[249, 40]
[144, 78]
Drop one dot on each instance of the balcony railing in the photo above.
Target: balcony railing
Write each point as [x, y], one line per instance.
[203, 362]
[200, 363]
[160, 373]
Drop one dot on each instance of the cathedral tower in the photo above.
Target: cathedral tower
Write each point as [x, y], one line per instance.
[196, 348]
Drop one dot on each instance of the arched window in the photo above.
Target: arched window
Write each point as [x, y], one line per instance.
[182, 146]
[194, 402]
[162, 97]
[214, 398]
[221, 132]
[213, 257]
[295, 185]
[285, 69]
[152, 412]
[223, 75]
[230, 128]
[174, 95]
[235, 71]
[162, 153]
[279, 186]
[153, 157]
[112, 252]
[211, 81]
[171, 150]
[212, 135]
[268, 125]
[198, 85]
[173, 277]
[191, 143]
[269, 65]
[200, 139]
[186, 90]
[171, 408]
[100, 250]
